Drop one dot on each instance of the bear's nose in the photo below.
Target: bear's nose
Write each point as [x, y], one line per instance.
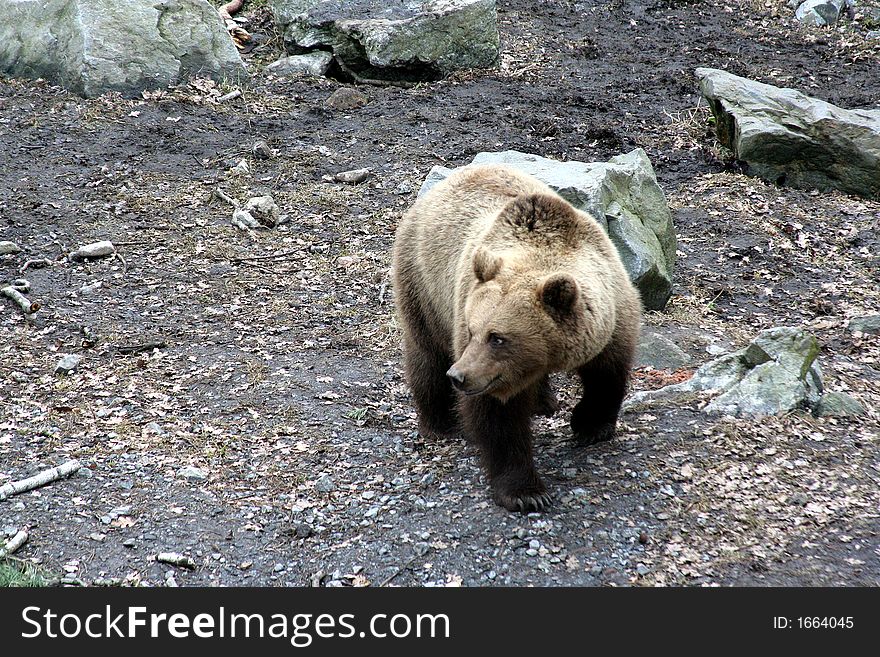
[456, 377]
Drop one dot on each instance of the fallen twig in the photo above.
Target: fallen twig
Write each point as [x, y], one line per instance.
[14, 543]
[229, 96]
[376, 82]
[138, 348]
[176, 559]
[223, 196]
[14, 291]
[37, 263]
[38, 480]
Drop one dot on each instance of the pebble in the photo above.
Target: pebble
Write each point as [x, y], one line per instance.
[534, 544]
[129, 543]
[532, 552]
[68, 364]
[264, 210]
[93, 250]
[303, 531]
[192, 473]
[261, 150]
[7, 248]
[353, 177]
[325, 484]
[18, 377]
[643, 538]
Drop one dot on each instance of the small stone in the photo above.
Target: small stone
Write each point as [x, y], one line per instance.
[192, 473]
[643, 538]
[264, 210]
[532, 552]
[129, 543]
[244, 219]
[325, 484]
[93, 250]
[8, 248]
[353, 177]
[240, 169]
[18, 377]
[428, 479]
[534, 544]
[68, 364]
[798, 499]
[642, 569]
[303, 531]
[98, 537]
[345, 98]
[261, 150]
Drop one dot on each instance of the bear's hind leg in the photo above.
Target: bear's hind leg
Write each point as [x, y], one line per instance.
[503, 434]
[604, 379]
[432, 392]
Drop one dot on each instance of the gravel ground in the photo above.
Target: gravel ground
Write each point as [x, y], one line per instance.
[272, 438]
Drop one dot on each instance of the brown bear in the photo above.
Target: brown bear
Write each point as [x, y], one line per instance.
[499, 282]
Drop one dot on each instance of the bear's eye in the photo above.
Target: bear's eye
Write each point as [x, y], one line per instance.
[496, 340]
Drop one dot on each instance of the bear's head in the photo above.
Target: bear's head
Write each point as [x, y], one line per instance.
[520, 325]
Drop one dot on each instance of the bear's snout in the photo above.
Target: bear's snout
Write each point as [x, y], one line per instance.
[457, 378]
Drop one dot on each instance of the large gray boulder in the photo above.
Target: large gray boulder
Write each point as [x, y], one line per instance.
[93, 46]
[789, 138]
[393, 39]
[820, 12]
[776, 373]
[625, 198]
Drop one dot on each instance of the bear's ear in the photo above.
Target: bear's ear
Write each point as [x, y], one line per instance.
[559, 293]
[486, 265]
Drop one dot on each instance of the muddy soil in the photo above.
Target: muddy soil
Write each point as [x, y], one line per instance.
[280, 380]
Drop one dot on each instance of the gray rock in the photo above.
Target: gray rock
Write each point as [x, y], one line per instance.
[93, 250]
[314, 64]
[264, 210]
[93, 46]
[623, 195]
[872, 35]
[68, 364]
[325, 484]
[660, 352]
[261, 150]
[7, 248]
[776, 373]
[352, 177]
[394, 39]
[789, 138]
[838, 404]
[192, 473]
[869, 324]
[820, 12]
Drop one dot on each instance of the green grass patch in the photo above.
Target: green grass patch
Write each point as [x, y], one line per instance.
[20, 573]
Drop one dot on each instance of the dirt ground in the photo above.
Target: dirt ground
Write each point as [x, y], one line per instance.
[280, 376]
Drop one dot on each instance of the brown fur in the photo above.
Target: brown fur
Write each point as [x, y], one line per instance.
[498, 283]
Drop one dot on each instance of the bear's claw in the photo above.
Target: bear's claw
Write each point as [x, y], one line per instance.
[525, 503]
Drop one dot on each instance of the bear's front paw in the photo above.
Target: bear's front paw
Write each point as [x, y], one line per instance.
[524, 501]
[437, 431]
[592, 435]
